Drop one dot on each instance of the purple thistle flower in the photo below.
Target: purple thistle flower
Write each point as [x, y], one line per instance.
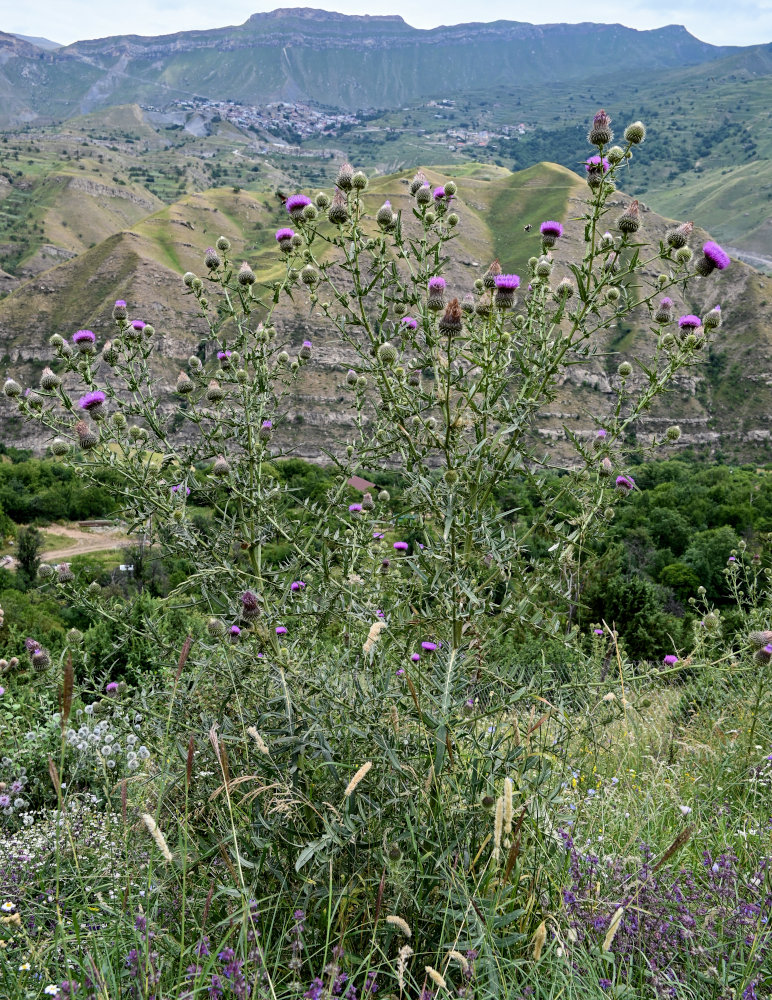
[281, 629]
[138, 324]
[120, 303]
[83, 337]
[592, 163]
[670, 660]
[625, 483]
[5, 801]
[112, 687]
[223, 355]
[401, 546]
[284, 234]
[601, 434]
[436, 285]
[178, 488]
[438, 193]
[235, 630]
[509, 282]
[689, 322]
[598, 631]
[718, 258]
[297, 585]
[552, 229]
[355, 508]
[666, 303]
[415, 657]
[409, 323]
[296, 203]
[430, 647]
[92, 400]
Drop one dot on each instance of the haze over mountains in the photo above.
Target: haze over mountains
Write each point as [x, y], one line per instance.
[122, 158]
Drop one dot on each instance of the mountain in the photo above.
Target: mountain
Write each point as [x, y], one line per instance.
[722, 405]
[311, 55]
[41, 43]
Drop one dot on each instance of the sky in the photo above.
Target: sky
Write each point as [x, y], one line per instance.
[745, 22]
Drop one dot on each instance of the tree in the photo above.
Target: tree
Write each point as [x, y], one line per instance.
[29, 542]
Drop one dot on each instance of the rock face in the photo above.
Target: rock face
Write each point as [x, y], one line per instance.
[722, 404]
[312, 55]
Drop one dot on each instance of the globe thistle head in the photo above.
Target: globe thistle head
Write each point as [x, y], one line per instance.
[49, 380]
[451, 321]
[712, 319]
[713, 258]
[119, 309]
[679, 236]
[345, 177]
[489, 278]
[635, 133]
[418, 181]
[295, 205]
[338, 212]
[246, 275]
[630, 220]
[600, 133]
[212, 258]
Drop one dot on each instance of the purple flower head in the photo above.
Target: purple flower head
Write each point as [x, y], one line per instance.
[92, 400]
[2, 691]
[378, 534]
[297, 202]
[768, 649]
[178, 488]
[307, 343]
[281, 629]
[401, 546]
[430, 647]
[120, 304]
[601, 434]
[593, 162]
[267, 424]
[625, 483]
[551, 228]
[401, 672]
[598, 631]
[509, 282]
[31, 645]
[223, 355]
[83, 337]
[415, 657]
[5, 801]
[689, 322]
[284, 234]
[235, 630]
[409, 323]
[112, 687]
[297, 585]
[718, 258]
[733, 559]
[666, 303]
[438, 193]
[355, 508]
[436, 285]
[138, 324]
[670, 660]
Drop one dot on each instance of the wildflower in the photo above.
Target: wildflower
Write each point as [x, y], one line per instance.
[112, 687]
[415, 657]
[355, 508]
[401, 546]
[11, 388]
[600, 133]
[712, 320]
[281, 629]
[689, 322]
[297, 585]
[436, 296]
[663, 313]
[714, 258]
[506, 285]
[7, 907]
[451, 320]
[25, 967]
[84, 340]
[52, 990]
[409, 323]
[284, 238]
[489, 278]
[250, 605]
[92, 401]
[670, 660]
[625, 484]
[678, 237]
[430, 647]
[138, 325]
[630, 221]
[338, 211]
[212, 258]
[179, 487]
[598, 631]
[400, 923]
[295, 205]
[605, 984]
[345, 177]
[385, 216]
[305, 350]
[551, 232]
[357, 778]
[685, 810]
[596, 167]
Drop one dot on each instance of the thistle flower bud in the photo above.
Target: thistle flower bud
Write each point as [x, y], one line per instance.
[423, 195]
[625, 369]
[664, 311]
[223, 244]
[49, 380]
[59, 447]
[212, 258]
[309, 275]
[266, 430]
[452, 219]
[565, 289]
[246, 275]
[679, 236]
[66, 350]
[630, 220]
[436, 297]
[64, 574]
[615, 155]
[430, 217]
[489, 278]
[184, 384]
[322, 201]
[385, 216]
[673, 433]
[215, 392]
[338, 212]
[351, 377]
[250, 606]
[11, 388]
[451, 323]
[596, 167]
[606, 467]
[345, 177]
[188, 278]
[109, 353]
[87, 438]
[543, 267]
[635, 133]
[359, 180]
[712, 320]
[760, 639]
[310, 213]
[683, 255]
[625, 484]
[417, 182]
[467, 303]
[220, 466]
[606, 242]
[45, 571]
[361, 383]
[613, 294]
[600, 133]
[55, 341]
[713, 258]
[216, 628]
[384, 496]
[40, 660]
[305, 350]
[367, 502]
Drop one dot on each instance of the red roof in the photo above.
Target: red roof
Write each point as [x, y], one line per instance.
[359, 484]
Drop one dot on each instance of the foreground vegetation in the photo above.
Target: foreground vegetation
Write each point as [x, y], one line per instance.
[398, 743]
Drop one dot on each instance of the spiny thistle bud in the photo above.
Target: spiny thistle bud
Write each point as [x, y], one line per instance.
[423, 195]
[184, 384]
[606, 242]
[212, 258]
[266, 430]
[452, 219]
[119, 421]
[87, 438]
[625, 369]
[49, 380]
[40, 659]
[64, 574]
[450, 188]
[45, 571]
[221, 466]
[367, 502]
[565, 289]
[385, 216]
[215, 392]
[430, 217]
[387, 354]
[506, 286]
[361, 383]
[59, 447]
[414, 378]
[195, 363]
[543, 267]
[683, 255]
[635, 133]
[345, 177]
[309, 275]
[11, 388]
[450, 476]
[338, 211]
[188, 278]
[305, 350]
[384, 496]
[310, 213]
[55, 341]
[322, 201]
[630, 220]
[664, 310]
[615, 155]
[351, 377]
[679, 236]
[613, 294]
[282, 358]
[109, 353]
[489, 278]
[673, 433]
[467, 303]
[119, 310]
[418, 181]
[246, 275]
[712, 320]
[250, 606]
[600, 133]
[451, 323]
[215, 627]
[760, 639]
[359, 180]
[197, 285]
[606, 467]
[713, 258]
[436, 297]
[223, 244]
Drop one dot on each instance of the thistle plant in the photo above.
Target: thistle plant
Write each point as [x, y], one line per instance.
[384, 622]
